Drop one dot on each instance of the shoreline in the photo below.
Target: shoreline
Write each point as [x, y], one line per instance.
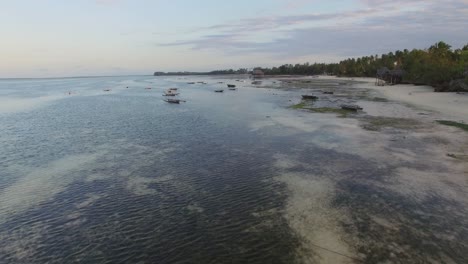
[451, 106]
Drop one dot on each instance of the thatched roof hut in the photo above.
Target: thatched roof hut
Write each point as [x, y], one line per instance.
[382, 72]
[392, 76]
[258, 73]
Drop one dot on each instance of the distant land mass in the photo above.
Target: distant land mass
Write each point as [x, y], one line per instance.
[439, 66]
[217, 72]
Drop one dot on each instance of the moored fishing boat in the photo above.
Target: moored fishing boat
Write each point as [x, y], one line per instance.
[309, 97]
[173, 101]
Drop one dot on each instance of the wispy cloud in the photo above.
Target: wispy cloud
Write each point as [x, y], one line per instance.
[380, 26]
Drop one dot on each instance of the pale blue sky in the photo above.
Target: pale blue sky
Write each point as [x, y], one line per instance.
[112, 37]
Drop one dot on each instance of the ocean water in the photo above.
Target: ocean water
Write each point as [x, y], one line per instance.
[120, 176]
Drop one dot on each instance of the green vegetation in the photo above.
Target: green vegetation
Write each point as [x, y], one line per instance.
[436, 66]
[454, 124]
[340, 112]
[377, 123]
[301, 105]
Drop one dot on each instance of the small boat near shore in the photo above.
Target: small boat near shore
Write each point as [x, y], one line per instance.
[172, 89]
[173, 101]
[309, 97]
[231, 85]
[191, 83]
[107, 90]
[351, 107]
[170, 93]
[257, 82]
[219, 91]
[233, 88]
[328, 92]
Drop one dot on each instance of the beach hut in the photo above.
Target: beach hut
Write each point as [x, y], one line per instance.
[258, 73]
[384, 75]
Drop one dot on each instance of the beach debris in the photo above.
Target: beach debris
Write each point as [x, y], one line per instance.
[309, 97]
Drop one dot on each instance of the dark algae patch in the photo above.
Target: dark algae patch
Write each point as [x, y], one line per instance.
[453, 124]
[323, 110]
[389, 226]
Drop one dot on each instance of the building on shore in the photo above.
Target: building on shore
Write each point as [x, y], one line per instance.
[258, 73]
[384, 75]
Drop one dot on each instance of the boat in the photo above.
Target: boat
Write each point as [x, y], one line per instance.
[172, 89]
[219, 91]
[309, 97]
[191, 83]
[107, 90]
[233, 88]
[351, 107]
[148, 88]
[257, 82]
[173, 101]
[231, 85]
[327, 92]
[170, 93]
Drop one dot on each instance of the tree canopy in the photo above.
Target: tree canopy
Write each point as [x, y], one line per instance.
[436, 66]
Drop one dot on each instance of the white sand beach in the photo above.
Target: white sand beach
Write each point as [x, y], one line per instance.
[451, 106]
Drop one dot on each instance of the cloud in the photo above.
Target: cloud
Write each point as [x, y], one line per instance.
[381, 26]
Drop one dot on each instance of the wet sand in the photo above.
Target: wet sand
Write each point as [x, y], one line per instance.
[390, 191]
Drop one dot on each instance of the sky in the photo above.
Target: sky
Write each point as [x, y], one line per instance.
[54, 38]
